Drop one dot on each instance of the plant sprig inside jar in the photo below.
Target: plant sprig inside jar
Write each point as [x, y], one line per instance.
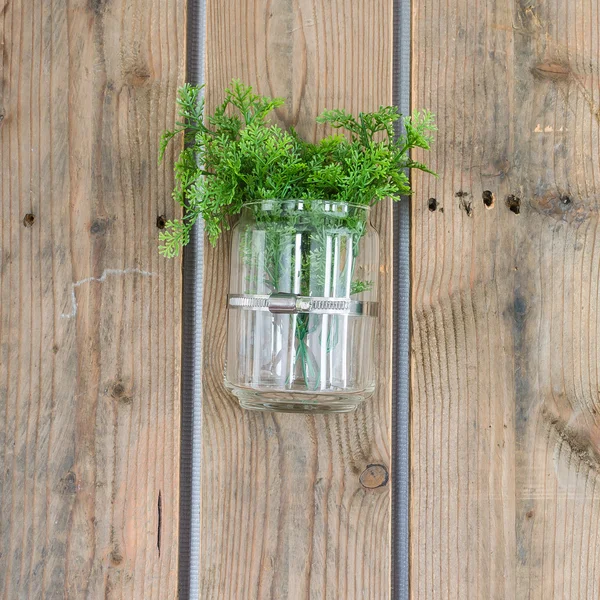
[236, 159]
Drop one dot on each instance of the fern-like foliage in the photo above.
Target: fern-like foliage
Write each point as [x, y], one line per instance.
[236, 155]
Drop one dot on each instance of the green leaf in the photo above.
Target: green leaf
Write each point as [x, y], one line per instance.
[237, 155]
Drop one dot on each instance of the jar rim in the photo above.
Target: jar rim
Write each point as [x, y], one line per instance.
[302, 201]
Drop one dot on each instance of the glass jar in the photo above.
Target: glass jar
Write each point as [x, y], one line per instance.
[302, 306]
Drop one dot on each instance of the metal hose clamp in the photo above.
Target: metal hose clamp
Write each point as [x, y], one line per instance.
[284, 303]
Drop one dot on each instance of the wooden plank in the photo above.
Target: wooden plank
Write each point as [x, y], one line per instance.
[89, 313]
[505, 426]
[283, 512]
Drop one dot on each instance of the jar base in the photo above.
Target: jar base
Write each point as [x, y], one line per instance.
[296, 407]
[298, 402]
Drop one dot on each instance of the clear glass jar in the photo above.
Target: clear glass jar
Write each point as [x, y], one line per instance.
[302, 306]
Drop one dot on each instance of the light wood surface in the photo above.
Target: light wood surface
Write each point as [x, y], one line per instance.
[284, 514]
[506, 388]
[89, 313]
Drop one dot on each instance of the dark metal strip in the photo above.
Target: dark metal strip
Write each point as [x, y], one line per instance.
[401, 327]
[191, 348]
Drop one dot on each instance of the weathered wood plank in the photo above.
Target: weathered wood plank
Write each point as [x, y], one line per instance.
[89, 313]
[283, 512]
[505, 426]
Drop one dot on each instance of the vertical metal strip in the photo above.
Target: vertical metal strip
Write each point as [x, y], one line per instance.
[191, 349]
[401, 342]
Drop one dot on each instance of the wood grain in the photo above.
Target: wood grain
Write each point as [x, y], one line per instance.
[284, 514]
[89, 313]
[506, 388]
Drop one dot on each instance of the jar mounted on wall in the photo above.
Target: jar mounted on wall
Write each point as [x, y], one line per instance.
[302, 306]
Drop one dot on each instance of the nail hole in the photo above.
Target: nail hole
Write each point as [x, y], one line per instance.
[161, 222]
[566, 200]
[488, 198]
[28, 220]
[433, 204]
[514, 204]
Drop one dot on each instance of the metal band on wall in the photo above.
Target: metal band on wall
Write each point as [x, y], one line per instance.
[191, 374]
[401, 324]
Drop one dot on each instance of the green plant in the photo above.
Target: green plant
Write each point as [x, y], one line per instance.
[236, 156]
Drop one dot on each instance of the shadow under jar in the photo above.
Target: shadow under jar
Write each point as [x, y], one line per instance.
[302, 306]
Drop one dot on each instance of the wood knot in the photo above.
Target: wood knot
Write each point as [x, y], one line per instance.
[563, 206]
[68, 484]
[118, 392]
[374, 476]
[161, 221]
[574, 438]
[116, 558]
[97, 6]
[432, 204]
[138, 75]
[99, 226]
[552, 71]
[29, 220]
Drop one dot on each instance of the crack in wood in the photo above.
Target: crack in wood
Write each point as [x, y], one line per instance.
[106, 273]
[159, 528]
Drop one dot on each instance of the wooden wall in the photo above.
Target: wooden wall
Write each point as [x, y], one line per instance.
[89, 313]
[506, 267]
[506, 298]
[284, 514]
